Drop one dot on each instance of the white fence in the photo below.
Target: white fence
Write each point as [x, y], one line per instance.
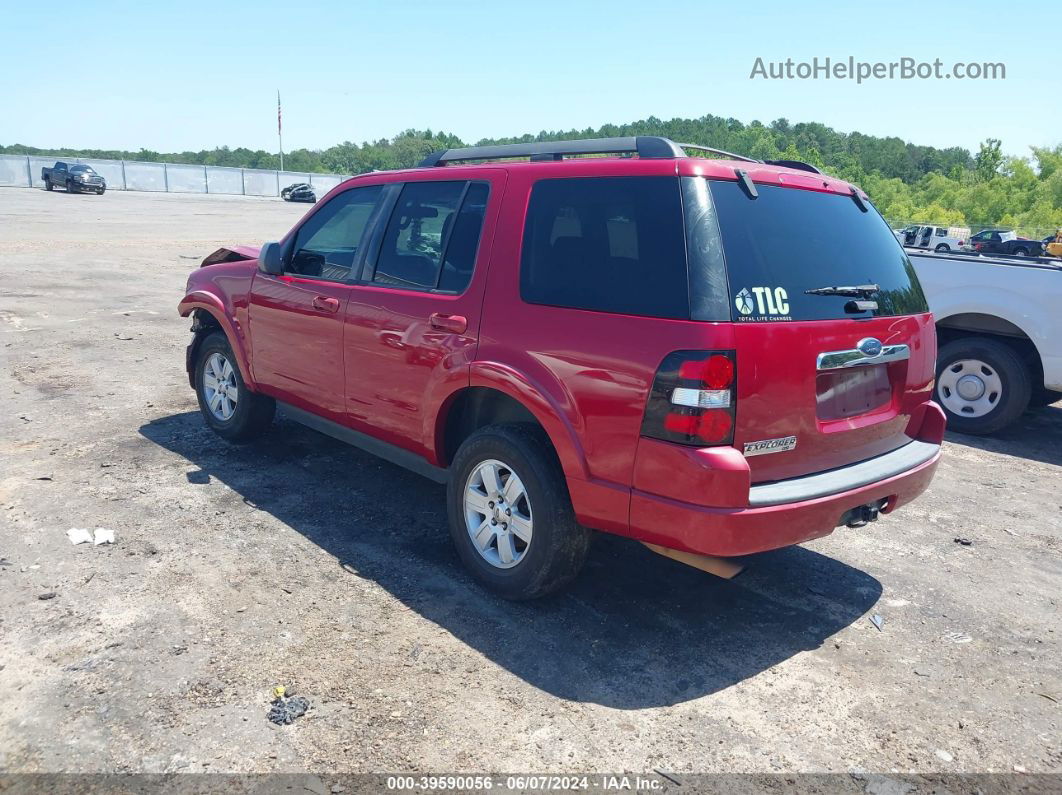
[24, 171]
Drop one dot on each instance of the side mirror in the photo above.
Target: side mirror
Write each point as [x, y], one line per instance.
[270, 259]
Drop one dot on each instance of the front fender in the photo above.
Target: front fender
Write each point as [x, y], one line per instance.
[210, 303]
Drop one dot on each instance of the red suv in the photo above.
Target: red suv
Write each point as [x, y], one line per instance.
[716, 356]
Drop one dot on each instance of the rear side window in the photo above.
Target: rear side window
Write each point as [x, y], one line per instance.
[610, 244]
[432, 236]
[463, 243]
[789, 240]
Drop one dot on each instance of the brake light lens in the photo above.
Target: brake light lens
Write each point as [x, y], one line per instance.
[693, 399]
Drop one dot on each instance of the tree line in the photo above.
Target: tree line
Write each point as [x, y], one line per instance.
[909, 183]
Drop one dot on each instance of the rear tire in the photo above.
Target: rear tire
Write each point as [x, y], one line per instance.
[982, 384]
[943, 248]
[536, 548]
[232, 411]
[1021, 252]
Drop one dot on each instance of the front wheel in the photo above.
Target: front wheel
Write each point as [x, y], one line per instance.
[101, 191]
[231, 410]
[47, 184]
[982, 384]
[511, 517]
[71, 187]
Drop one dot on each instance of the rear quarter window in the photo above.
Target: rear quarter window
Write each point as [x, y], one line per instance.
[609, 244]
[789, 240]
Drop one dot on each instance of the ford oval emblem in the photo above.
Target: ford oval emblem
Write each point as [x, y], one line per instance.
[869, 346]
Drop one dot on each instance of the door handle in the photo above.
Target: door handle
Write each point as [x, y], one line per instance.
[455, 324]
[326, 304]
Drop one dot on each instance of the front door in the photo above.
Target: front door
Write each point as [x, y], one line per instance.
[296, 318]
[413, 324]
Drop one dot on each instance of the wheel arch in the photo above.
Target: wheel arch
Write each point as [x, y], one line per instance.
[981, 324]
[497, 393]
[209, 315]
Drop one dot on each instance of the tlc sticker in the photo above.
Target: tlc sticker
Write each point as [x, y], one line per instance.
[763, 303]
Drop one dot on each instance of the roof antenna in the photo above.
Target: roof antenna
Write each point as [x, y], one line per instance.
[746, 183]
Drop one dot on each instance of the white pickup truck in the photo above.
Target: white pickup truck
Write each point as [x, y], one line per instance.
[999, 331]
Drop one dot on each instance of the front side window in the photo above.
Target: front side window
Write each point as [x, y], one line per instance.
[327, 244]
[608, 244]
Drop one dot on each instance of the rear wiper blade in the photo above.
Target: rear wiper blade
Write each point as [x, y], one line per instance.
[855, 291]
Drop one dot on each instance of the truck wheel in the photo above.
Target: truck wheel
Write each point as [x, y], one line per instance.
[943, 247]
[47, 184]
[70, 187]
[511, 517]
[982, 384]
[231, 410]
[1021, 252]
[101, 191]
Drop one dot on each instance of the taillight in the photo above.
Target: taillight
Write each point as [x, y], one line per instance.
[693, 399]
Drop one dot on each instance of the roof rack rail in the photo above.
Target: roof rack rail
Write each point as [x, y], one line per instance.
[713, 150]
[645, 146]
[797, 164]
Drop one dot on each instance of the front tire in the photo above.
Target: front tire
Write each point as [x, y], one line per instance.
[101, 191]
[232, 411]
[71, 187]
[511, 516]
[982, 385]
[47, 184]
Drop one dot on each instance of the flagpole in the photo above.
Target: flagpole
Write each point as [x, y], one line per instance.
[280, 137]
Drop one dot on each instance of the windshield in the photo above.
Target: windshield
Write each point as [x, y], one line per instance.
[785, 242]
[79, 169]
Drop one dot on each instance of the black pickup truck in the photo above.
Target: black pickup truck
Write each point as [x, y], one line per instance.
[75, 177]
[1003, 241]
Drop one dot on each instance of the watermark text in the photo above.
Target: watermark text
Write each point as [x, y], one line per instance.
[861, 71]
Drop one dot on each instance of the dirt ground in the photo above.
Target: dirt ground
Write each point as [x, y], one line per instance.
[158, 653]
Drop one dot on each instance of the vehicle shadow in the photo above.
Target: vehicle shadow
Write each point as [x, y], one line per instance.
[636, 630]
[1037, 435]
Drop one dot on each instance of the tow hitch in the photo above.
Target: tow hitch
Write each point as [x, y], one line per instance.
[858, 517]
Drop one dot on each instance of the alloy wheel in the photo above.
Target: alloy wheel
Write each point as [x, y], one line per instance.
[498, 514]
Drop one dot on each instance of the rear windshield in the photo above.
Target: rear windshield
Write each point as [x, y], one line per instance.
[787, 241]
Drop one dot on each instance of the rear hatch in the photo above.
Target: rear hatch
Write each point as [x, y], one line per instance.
[833, 373]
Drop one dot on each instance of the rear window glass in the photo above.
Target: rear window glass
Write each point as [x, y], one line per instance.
[610, 244]
[789, 240]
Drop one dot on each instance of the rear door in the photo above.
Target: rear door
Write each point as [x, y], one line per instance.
[296, 318]
[412, 323]
[840, 376]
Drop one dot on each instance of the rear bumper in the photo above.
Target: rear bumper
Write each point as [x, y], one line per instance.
[786, 512]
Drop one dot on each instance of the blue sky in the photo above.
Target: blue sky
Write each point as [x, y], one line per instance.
[196, 75]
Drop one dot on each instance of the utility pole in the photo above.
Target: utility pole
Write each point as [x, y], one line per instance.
[280, 137]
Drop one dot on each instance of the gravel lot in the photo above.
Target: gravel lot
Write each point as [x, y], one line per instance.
[158, 654]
